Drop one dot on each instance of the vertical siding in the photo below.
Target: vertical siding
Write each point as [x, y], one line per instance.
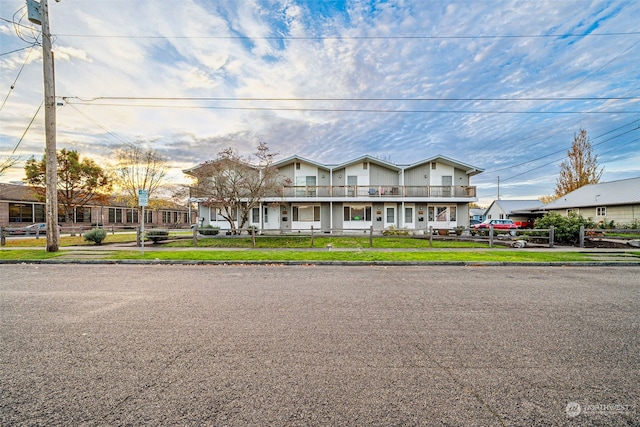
[339, 177]
[381, 176]
[460, 177]
[415, 176]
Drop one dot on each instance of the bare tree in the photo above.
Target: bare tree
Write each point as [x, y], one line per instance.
[581, 167]
[138, 168]
[235, 184]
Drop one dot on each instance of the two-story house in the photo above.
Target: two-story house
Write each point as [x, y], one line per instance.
[362, 193]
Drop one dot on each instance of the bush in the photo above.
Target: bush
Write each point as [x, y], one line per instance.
[157, 234]
[566, 228]
[395, 231]
[209, 230]
[97, 235]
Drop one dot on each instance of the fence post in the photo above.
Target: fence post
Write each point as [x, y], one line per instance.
[138, 235]
[371, 236]
[3, 239]
[582, 236]
[490, 235]
[312, 235]
[431, 236]
[552, 236]
[253, 237]
[195, 236]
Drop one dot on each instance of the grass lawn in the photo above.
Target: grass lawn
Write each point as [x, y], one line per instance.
[311, 256]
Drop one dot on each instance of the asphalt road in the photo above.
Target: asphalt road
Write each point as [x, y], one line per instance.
[314, 346]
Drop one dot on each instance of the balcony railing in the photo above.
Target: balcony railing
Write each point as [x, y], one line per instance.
[437, 191]
[379, 191]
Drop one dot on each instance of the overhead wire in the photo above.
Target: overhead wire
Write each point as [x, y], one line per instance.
[13, 85]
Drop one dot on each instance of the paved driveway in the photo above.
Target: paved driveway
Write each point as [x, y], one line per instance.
[305, 345]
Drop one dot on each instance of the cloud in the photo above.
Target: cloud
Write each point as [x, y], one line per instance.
[398, 50]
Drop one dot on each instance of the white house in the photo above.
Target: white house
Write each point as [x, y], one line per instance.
[362, 193]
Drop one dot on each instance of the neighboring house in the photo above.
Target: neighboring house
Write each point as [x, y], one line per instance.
[361, 193]
[521, 212]
[617, 201]
[20, 205]
[476, 214]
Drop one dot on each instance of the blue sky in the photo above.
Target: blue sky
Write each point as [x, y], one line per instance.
[501, 85]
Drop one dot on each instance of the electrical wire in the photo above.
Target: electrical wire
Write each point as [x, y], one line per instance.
[564, 149]
[419, 37]
[27, 129]
[13, 85]
[563, 157]
[355, 110]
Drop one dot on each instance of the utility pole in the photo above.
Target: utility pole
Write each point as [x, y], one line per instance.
[41, 16]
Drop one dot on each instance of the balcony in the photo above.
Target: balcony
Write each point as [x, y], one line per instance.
[369, 191]
[379, 191]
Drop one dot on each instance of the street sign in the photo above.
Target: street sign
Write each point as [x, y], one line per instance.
[143, 198]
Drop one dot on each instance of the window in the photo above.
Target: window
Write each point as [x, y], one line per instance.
[408, 215]
[501, 216]
[132, 215]
[365, 165]
[255, 215]
[391, 215]
[20, 212]
[430, 213]
[357, 213]
[213, 214]
[601, 211]
[306, 213]
[433, 165]
[297, 165]
[452, 213]
[115, 215]
[441, 213]
[148, 216]
[265, 215]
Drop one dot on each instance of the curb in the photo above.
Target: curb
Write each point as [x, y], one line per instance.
[331, 263]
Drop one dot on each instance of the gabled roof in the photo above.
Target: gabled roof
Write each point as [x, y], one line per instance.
[296, 158]
[621, 192]
[470, 170]
[510, 206]
[367, 158]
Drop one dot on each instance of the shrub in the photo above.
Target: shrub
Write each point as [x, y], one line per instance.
[157, 234]
[395, 231]
[97, 235]
[209, 230]
[566, 228]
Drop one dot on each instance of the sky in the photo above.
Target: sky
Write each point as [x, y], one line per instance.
[500, 85]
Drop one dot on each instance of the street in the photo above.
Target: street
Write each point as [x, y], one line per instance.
[319, 345]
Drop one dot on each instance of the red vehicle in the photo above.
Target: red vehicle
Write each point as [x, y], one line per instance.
[498, 224]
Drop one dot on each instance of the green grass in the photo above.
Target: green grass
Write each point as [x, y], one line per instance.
[294, 242]
[359, 256]
[27, 254]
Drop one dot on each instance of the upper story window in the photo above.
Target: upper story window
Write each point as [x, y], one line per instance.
[365, 165]
[433, 165]
[298, 166]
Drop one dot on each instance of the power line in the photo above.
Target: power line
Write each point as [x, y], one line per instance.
[355, 110]
[563, 157]
[427, 99]
[564, 149]
[13, 85]
[418, 37]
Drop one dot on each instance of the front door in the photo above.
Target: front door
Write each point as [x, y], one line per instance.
[390, 216]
